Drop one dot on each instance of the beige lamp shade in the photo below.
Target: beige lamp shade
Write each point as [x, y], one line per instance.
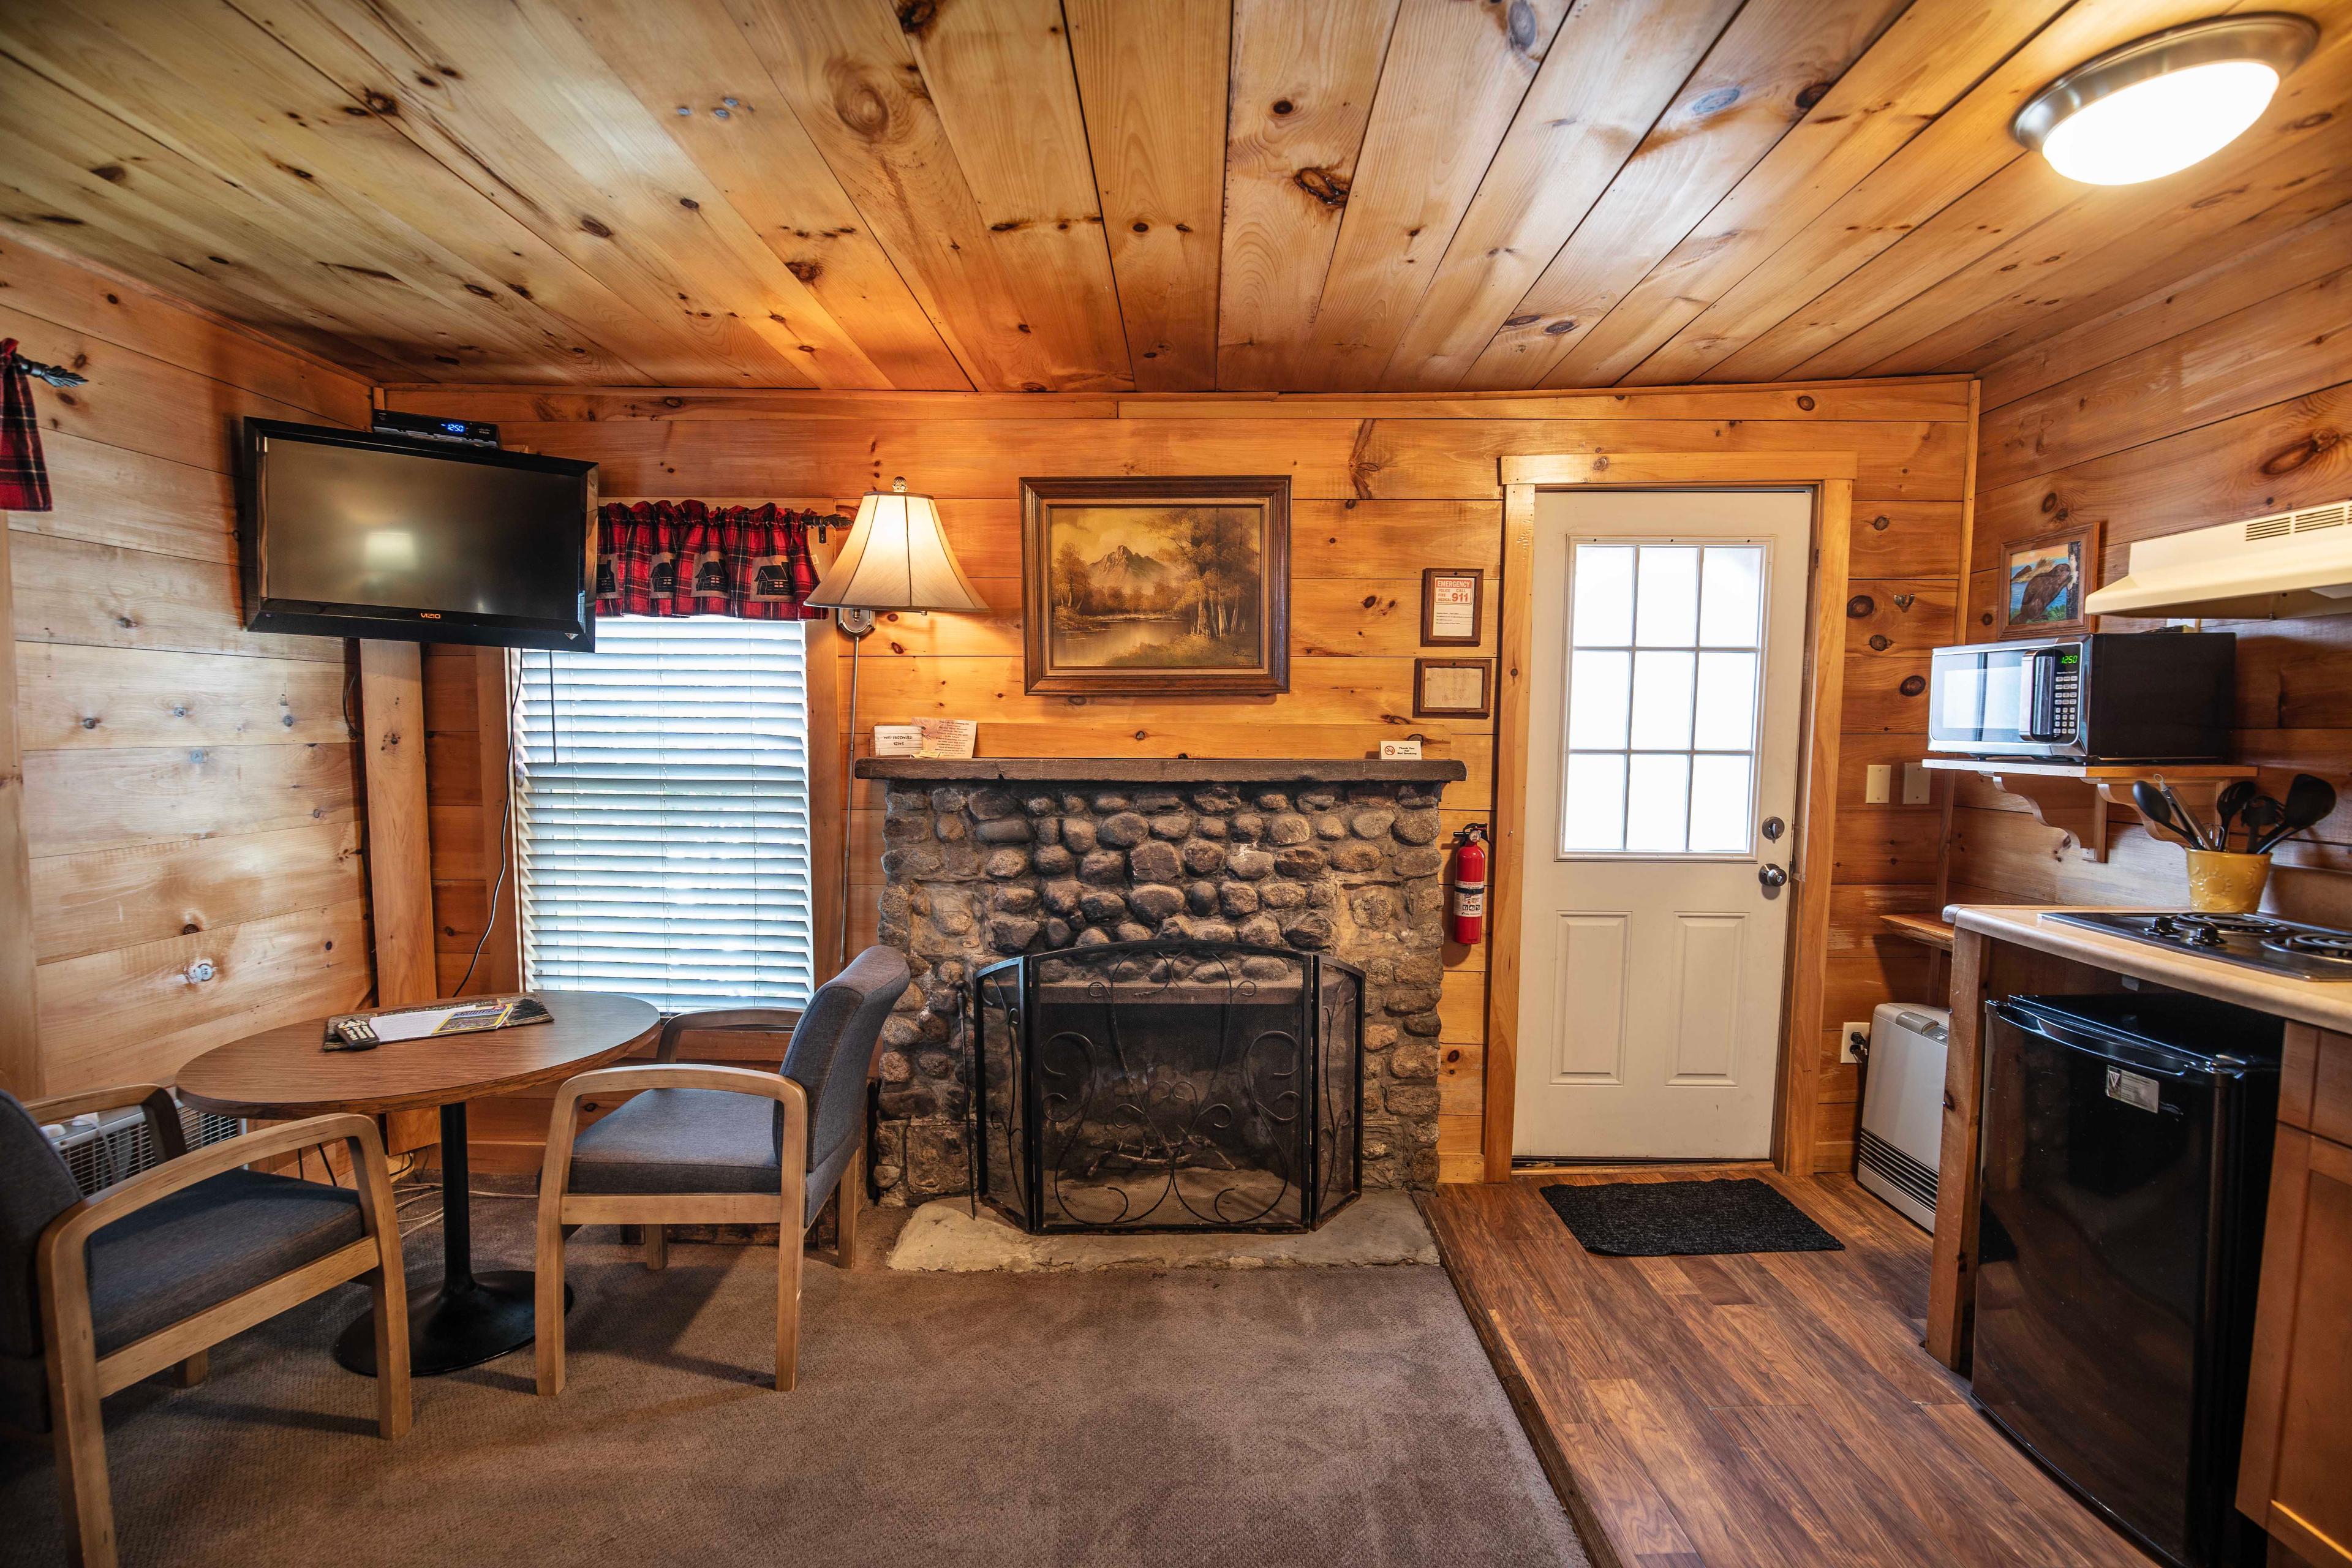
[897, 559]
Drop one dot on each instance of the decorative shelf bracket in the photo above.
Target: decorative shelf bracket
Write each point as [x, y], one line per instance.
[2076, 800]
[2063, 804]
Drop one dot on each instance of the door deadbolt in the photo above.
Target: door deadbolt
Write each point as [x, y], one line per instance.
[1772, 877]
[1774, 828]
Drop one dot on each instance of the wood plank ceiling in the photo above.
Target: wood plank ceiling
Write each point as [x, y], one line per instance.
[1116, 195]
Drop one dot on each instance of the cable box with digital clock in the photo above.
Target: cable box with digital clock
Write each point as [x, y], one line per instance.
[431, 427]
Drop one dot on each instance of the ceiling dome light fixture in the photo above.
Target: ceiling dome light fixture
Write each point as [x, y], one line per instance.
[2158, 104]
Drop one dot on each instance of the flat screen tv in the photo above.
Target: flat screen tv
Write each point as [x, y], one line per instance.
[347, 535]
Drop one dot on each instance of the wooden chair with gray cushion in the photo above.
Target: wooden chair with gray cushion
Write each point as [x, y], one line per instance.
[720, 1144]
[151, 1272]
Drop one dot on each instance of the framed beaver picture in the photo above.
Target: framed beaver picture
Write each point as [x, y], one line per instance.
[2045, 581]
[1156, 587]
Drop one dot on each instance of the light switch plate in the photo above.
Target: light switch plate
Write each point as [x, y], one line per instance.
[1846, 1032]
[1878, 786]
[1918, 784]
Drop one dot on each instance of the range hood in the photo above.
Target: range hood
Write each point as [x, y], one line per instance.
[2266, 568]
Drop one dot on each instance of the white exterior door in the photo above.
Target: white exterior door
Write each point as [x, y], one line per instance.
[1667, 662]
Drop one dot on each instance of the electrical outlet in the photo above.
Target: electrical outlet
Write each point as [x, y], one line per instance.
[1846, 1036]
[1878, 783]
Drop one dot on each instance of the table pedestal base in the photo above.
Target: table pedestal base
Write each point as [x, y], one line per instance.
[481, 1319]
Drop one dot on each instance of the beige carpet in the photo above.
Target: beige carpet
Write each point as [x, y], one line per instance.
[1295, 1416]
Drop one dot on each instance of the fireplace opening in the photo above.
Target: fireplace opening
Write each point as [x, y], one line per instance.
[1169, 1086]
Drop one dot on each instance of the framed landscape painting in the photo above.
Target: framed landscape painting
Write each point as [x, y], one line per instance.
[1177, 586]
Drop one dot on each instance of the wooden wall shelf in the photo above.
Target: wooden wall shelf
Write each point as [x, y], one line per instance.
[2073, 798]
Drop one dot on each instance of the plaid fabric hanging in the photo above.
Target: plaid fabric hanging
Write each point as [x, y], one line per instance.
[24, 478]
[684, 558]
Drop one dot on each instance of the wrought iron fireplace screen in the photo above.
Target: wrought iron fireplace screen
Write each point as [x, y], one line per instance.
[1169, 1085]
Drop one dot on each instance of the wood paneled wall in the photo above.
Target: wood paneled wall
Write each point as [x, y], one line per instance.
[2223, 396]
[191, 799]
[1382, 487]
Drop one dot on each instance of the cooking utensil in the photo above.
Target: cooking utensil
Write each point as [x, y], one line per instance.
[2308, 802]
[2260, 815]
[2228, 803]
[2180, 814]
[2157, 811]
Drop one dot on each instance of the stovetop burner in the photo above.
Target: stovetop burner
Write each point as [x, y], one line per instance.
[2208, 930]
[2253, 941]
[2334, 946]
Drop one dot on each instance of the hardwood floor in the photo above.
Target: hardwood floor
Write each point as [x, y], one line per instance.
[1750, 1410]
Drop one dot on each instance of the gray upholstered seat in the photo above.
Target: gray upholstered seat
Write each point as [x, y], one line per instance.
[680, 1140]
[700, 1142]
[158, 1268]
[198, 1248]
[154, 1266]
[710, 1141]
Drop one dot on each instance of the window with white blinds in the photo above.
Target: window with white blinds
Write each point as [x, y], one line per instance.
[661, 814]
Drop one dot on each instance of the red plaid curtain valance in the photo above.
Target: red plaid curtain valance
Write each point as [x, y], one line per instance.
[24, 480]
[684, 558]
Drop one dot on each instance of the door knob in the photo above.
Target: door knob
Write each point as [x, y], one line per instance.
[1772, 877]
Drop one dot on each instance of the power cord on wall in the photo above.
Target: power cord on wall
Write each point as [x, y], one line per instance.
[506, 848]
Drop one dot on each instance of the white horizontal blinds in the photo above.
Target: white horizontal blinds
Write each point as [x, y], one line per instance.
[661, 813]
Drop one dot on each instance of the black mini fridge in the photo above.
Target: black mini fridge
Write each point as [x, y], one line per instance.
[2126, 1150]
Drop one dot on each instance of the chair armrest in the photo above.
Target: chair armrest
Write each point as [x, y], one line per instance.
[61, 1242]
[154, 1100]
[743, 1020]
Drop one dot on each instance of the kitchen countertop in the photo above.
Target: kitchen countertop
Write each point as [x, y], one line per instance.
[2326, 1005]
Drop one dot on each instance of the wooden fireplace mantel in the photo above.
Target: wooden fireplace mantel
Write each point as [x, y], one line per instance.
[1162, 770]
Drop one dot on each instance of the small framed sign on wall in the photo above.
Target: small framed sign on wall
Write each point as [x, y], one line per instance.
[1453, 607]
[1453, 688]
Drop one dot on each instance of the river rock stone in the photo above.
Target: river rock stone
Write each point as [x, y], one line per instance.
[1154, 862]
[1249, 863]
[1123, 830]
[1154, 902]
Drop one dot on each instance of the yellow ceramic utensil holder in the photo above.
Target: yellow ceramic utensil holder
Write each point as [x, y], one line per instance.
[2222, 883]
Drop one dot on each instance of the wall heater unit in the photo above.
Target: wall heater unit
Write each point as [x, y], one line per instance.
[112, 1146]
[1902, 1109]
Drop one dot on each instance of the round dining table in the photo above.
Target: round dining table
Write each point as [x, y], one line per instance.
[285, 1073]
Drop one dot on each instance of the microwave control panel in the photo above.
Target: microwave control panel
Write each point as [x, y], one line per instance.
[2065, 694]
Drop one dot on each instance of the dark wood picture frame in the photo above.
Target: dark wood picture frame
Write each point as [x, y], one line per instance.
[1043, 676]
[2083, 543]
[1430, 577]
[1421, 668]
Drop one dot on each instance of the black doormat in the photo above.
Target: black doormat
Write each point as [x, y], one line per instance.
[1669, 1220]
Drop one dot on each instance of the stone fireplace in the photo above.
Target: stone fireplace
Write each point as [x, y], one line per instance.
[993, 858]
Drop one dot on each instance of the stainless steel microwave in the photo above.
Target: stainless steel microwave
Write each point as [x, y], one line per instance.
[2104, 697]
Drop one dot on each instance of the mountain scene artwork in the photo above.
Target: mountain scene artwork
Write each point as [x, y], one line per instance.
[1161, 585]
[1155, 588]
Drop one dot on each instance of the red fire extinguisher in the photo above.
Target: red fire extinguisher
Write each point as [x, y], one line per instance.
[1469, 907]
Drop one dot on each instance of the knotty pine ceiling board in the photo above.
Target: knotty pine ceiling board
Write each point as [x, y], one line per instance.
[1124, 196]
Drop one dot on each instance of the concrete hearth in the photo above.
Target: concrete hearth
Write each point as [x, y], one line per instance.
[992, 857]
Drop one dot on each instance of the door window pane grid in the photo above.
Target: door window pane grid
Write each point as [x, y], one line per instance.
[1664, 658]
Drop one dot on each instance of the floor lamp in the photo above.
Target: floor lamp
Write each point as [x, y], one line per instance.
[897, 558]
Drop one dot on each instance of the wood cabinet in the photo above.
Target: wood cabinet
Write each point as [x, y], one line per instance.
[2296, 1476]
